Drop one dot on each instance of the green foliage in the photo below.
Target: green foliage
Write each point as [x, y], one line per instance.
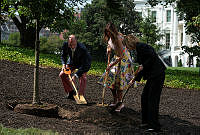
[94, 19]
[54, 14]
[190, 9]
[150, 33]
[182, 77]
[24, 55]
[28, 131]
[192, 52]
[180, 63]
[97, 68]
[182, 71]
[182, 81]
[195, 21]
[130, 20]
[13, 39]
[198, 63]
[43, 40]
[51, 45]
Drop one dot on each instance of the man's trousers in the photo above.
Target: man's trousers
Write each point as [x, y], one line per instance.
[68, 86]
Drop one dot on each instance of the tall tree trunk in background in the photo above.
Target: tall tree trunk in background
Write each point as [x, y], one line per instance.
[36, 98]
[0, 25]
[27, 33]
[27, 37]
[0, 34]
[189, 61]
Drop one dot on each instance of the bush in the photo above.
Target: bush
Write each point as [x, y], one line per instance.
[180, 63]
[43, 41]
[198, 63]
[178, 72]
[13, 39]
[52, 45]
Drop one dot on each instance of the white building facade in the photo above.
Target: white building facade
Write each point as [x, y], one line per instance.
[165, 17]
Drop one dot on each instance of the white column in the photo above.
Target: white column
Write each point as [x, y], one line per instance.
[172, 38]
[184, 44]
[184, 35]
[171, 32]
[175, 29]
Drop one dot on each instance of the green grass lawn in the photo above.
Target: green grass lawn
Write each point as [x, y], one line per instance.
[28, 131]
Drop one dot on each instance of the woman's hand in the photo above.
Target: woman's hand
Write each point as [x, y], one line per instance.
[140, 68]
[108, 50]
[131, 82]
[63, 67]
[108, 69]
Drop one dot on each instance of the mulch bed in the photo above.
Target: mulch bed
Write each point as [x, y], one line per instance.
[179, 108]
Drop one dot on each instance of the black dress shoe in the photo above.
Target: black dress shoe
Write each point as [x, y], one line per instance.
[153, 130]
[71, 95]
[144, 126]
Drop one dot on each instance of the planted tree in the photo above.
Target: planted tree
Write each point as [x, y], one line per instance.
[51, 11]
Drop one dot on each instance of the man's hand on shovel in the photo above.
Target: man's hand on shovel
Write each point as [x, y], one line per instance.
[74, 77]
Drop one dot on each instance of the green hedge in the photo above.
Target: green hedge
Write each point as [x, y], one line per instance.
[175, 71]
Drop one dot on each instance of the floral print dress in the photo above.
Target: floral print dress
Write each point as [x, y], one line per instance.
[121, 73]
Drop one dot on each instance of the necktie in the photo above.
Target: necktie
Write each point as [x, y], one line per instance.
[73, 50]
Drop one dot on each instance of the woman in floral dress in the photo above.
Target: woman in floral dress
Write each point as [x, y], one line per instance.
[120, 69]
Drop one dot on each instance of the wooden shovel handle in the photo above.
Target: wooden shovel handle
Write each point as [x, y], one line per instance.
[68, 72]
[106, 78]
[72, 83]
[133, 80]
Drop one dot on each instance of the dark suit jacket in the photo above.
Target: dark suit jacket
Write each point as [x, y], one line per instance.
[152, 65]
[81, 60]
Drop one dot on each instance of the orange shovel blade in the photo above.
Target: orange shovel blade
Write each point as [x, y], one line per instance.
[67, 71]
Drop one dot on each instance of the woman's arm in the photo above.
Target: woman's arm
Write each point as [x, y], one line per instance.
[118, 59]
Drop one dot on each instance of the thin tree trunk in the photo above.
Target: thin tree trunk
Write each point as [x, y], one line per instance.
[189, 61]
[199, 69]
[36, 98]
[0, 23]
[0, 34]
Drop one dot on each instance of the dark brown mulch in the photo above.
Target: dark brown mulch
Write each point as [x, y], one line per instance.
[179, 108]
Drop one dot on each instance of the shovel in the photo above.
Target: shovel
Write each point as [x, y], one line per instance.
[104, 89]
[79, 99]
[129, 86]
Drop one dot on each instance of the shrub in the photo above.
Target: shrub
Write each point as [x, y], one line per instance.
[52, 45]
[13, 39]
[180, 63]
[43, 41]
[198, 63]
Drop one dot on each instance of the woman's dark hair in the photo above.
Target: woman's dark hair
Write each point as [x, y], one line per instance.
[110, 32]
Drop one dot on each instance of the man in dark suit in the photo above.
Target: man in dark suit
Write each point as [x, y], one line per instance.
[80, 59]
[152, 69]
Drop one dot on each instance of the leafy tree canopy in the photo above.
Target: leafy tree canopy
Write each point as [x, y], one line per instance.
[54, 14]
[150, 33]
[95, 16]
